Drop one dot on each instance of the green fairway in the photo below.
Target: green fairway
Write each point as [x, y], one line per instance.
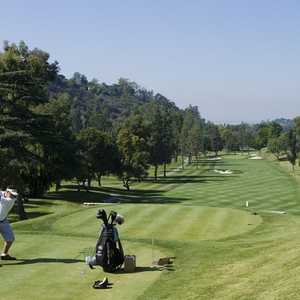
[223, 249]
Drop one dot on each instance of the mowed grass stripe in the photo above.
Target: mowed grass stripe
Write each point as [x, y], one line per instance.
[215, 223]
[154, 223]
[261, 183]
[181, 178]
[86, 218]
[139, 217]
[187, 223]
[194, 221]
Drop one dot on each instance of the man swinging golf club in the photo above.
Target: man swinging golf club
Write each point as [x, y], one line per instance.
[7, 201]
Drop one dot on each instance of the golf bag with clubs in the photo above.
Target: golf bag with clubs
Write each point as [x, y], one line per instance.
[109, 250]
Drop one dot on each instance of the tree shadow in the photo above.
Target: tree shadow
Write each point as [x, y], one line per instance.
[113, 195]
[45, 260]
[216, 162]
[188, 179]
[149, 200]
[36, 202]
[75, 196]
[146, 196]
[132, 191]
[36, 214]
[69, 192]
[29, 214]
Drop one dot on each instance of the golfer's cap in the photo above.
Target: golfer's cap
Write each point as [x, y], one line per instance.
[13, 192]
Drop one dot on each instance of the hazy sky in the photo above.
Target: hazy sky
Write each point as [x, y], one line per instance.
[237, 60]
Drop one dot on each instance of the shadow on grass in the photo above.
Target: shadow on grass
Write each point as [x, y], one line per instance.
[119, 195]
[114, 195]
[216, 163]
[188, 179]
[73, 195]
[36, 214]
[148, 269]
[69, 192]
[30, 215]
[45, 260]
[36, 202]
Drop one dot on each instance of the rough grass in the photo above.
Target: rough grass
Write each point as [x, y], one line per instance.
[222, 249]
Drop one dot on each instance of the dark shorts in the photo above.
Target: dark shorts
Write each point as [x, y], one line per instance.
[6, 231]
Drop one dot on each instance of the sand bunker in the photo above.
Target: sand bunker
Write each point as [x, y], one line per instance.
[255, 157]
[223, 172]
[281, 212]
[214, 158]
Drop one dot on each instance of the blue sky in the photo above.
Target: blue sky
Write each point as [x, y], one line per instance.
[237, 60]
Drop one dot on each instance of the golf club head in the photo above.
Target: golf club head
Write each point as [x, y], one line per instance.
[101, 214]
[113, 216]
[119, 219]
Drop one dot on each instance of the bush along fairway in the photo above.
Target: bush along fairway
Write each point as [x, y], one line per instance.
[224, 249]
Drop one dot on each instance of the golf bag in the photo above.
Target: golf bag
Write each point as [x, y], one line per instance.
[109, 251]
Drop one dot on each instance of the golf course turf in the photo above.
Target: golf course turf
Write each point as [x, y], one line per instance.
[223, 249]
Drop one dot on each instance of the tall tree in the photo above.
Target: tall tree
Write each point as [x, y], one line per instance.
[230, 138]
[216, 143]
[134, 150]
[60, 155]
[98, 154]
[24, 78]
[292, 146]
[297, 132]
[191, 133]
[279, 145]
[159, 121]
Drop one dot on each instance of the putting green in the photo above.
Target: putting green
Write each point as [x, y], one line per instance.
[165, 222]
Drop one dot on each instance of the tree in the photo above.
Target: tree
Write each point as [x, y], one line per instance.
[216, 143]
[134, 150]
[278, 145]
[24, 78]
[275, 129]
[100, 121]
[98, 154]
[176, 124]
[156, 141]
[196, 135]
[191, 136]
[297, 125]
[245, 136]
[60, 148]
[159, 122]
[169, 136]
[109, 160]
[187, 124]
[262, 136]
[292, 148]
[266, 131]
[297, 132]
[230, 138]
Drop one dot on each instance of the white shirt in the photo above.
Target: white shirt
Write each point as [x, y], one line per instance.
[6, 204]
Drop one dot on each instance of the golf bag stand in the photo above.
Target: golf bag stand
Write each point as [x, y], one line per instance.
[109, 250]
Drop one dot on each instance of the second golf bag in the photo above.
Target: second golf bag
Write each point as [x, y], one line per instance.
[109, 251]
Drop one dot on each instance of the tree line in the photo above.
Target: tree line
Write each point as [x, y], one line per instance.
[54, 129]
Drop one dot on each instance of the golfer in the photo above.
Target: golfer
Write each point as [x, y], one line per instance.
[7, 201]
